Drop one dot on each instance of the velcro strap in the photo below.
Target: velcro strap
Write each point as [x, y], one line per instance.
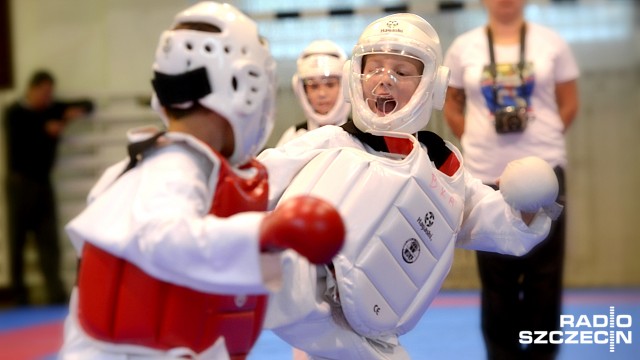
[178, 89]
[444, 159]
[377, 143]
[136, 150]
[439, 153]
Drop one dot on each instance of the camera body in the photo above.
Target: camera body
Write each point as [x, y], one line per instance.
[511, 119]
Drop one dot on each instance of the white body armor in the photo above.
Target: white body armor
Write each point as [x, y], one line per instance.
[402, 217]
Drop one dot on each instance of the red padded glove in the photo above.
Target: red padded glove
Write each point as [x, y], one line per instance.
[309, 225]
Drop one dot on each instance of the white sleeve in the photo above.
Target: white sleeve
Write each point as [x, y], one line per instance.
[300, 315]
[285, 162]
[155, 216]
[565, 65]
[490, 224]
[452, 61]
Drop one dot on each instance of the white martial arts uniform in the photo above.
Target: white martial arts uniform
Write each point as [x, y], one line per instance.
[307, 312]
[155, 217]
[295, 131]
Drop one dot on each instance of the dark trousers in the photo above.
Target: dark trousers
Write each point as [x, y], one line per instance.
[32, 209]
[523, 293]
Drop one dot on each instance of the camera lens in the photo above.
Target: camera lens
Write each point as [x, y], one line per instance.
[513, 122]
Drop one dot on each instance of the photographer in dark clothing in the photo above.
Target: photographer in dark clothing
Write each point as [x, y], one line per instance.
[33, 125]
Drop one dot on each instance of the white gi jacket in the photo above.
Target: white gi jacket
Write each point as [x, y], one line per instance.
[155, 216]
[307, 311]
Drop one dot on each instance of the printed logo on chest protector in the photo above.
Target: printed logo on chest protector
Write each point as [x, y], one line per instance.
[376, 309]
[411, 250]
[426, 222]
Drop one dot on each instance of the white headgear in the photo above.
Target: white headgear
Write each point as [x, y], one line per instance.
[400, 34]
[321, 58]
[230, 72]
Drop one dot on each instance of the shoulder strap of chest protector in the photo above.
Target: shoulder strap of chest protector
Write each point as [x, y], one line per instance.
[438, 151]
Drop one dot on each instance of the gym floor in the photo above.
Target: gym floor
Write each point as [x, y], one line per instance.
[449, 330]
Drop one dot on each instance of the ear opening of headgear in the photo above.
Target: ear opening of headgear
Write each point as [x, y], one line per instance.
[320, 59]
[403, 35]
[346, 74]
[238, 65]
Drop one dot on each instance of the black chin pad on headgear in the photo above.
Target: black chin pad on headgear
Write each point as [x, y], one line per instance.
[181, 88]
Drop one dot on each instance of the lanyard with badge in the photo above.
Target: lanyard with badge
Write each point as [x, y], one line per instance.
[508, 118]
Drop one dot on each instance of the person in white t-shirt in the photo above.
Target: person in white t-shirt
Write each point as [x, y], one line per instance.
[317, 85]
[513, 93]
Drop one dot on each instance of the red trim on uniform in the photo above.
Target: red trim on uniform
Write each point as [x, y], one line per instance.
[398, 145]
[404, 146]
[451, 165]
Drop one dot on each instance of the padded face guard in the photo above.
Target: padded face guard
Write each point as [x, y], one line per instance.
[405, 35]
[238, 72]
[321, 58]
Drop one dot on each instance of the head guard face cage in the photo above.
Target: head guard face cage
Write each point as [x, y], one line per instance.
[230, 71]
[321, 58]
[404, 35]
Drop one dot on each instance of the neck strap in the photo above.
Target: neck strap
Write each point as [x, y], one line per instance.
[136, 150]
[492, 58]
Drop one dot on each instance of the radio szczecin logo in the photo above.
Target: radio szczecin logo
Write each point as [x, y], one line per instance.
[609, 329]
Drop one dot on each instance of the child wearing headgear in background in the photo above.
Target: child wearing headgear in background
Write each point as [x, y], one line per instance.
[317, 85]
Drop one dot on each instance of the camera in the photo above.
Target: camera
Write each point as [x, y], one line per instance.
[511, 119]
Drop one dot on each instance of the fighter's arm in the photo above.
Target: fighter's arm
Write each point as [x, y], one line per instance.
[166, 233]
[154, 217]
[495, 220]
[283, 163]
[490, 224]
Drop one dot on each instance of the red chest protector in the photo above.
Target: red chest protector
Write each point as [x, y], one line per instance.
[119, 303]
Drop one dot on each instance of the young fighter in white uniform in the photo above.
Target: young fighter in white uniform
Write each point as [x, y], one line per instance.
[175, 248]
[406, 199]
[317, 85]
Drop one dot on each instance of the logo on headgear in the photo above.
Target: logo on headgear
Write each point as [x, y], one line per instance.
[392, 27]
